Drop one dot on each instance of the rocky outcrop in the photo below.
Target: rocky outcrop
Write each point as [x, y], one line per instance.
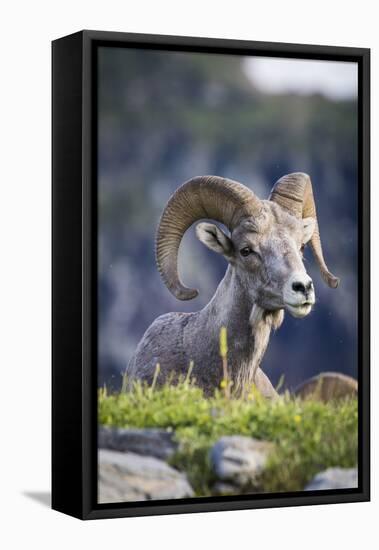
[237, 461]
[146, 442]
[132, 477]
[334, 478]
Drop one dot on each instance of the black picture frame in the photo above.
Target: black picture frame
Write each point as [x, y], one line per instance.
[74, 294]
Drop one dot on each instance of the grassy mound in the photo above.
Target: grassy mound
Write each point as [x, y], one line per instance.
[309, 436]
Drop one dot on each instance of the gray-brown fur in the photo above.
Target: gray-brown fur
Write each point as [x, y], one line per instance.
[250, 300]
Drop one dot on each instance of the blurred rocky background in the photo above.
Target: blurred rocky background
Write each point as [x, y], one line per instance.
[165, 117]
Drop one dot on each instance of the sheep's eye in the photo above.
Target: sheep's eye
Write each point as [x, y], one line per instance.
[246, 251]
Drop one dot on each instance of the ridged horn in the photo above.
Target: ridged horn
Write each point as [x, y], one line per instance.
[294, 193]
[212, 197]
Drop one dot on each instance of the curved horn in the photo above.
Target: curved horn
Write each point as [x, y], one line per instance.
[294, 193]
[211, 197]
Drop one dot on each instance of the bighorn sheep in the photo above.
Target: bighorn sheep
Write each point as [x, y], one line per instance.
[265, 276]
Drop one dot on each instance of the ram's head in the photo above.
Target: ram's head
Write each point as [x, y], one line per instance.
[265, 243]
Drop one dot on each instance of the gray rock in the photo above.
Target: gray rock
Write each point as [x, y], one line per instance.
[328, 386]
[131, 477]
[149, 442]
[239, 459]
[334, 478]
[222, 488]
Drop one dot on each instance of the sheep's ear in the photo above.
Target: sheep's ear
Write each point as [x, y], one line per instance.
[215, 239]
[309, 225]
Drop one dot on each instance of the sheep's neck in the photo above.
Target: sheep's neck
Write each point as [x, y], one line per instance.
[248, 327]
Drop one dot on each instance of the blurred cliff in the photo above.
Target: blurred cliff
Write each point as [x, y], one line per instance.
[165, 117]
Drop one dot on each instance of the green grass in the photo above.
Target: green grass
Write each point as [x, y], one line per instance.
[309, 436]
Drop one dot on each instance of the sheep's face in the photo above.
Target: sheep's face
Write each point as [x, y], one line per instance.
[266, 254]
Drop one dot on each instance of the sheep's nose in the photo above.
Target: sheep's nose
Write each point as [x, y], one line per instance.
[303, 287]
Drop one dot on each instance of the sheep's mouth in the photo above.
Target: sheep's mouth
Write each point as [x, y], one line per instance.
[299, 310]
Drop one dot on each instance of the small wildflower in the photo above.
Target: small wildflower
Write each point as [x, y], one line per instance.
[297, 418]
[223, 342]
[223, 384]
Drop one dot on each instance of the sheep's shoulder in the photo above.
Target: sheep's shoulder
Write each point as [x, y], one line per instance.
[162, 343]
